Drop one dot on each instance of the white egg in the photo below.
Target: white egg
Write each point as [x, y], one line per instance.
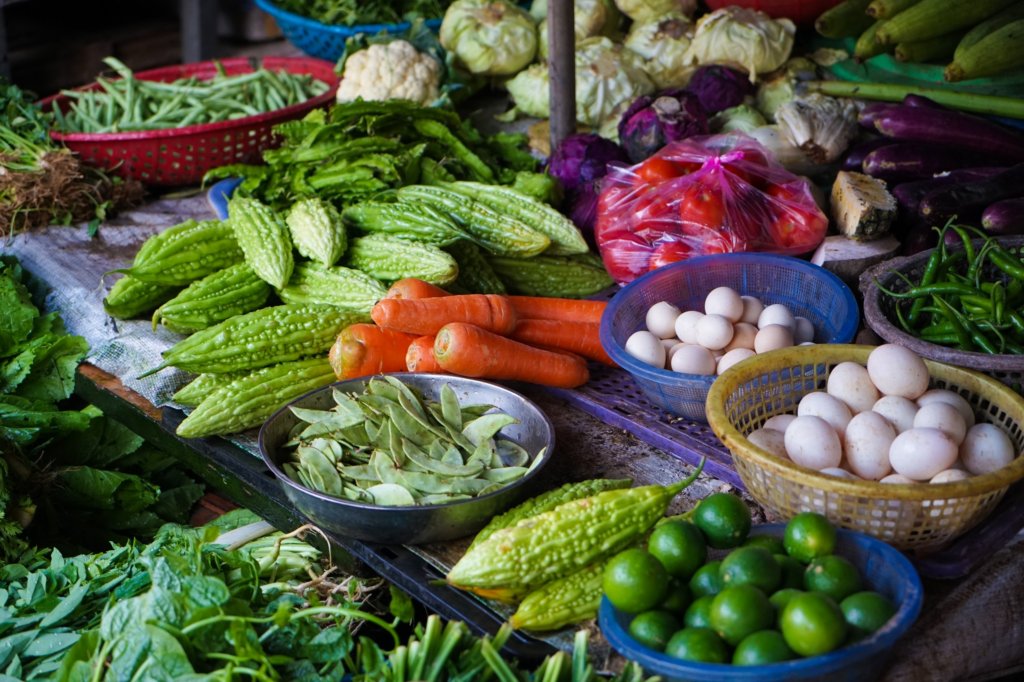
[725, 302]
[921, 453]
[986, 448]
[897, 478]
[779, 422]
[776, 314]
[752, 308]
[807, 343]
[813, 443]
[866, 445]
[661, 319]
[743, 336]
[693, 359]
[771, 440]
[850, 382]
[732, 357]
[804, 330]
[647, 348]
[668, 343]
[686, 325]
[675, 346]
[829, 408]
[898, 410]
[839, 472]
[772, 337]
[944, 417]
[714, 332]
[949, 475]
[896, 370]
[954, 399]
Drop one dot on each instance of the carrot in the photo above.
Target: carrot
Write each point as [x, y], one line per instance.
[363, 349]
[427, 315]
[420, 356]
[581, 338]
[563, 309]
[410, 287]
[474, 352]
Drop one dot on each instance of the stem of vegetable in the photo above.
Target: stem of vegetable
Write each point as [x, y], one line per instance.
[895, 92]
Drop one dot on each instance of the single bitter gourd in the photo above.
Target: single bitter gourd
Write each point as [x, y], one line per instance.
[232, 291]
[338, 286]
[405, 220]
[130, 297]
[247, 401]
[476, 276]
[566, 601]
[263, 238]
[196, 391]
[559, 276]
[389, 258]
[317, 230]
[192, 251]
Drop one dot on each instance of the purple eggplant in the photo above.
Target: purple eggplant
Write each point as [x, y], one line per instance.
[1004, 217]
[918, 160]
[944, 127]
[871, 112]
[972, 197]
[854, 160]
[924, 102]
[909, 194]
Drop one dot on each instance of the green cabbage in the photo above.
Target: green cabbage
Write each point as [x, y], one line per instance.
[746, 38]
[642, 10]
[662, 43]
[489, 37]
[742, 119]
[591, 18]
[530, 91]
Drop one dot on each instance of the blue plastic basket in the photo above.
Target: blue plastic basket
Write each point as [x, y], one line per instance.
[323, 40]
[884, 569]
[807, 290]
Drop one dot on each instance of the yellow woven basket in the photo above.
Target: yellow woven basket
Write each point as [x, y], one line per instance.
[908, 516]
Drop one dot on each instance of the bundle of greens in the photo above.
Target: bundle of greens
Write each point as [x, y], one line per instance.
[355, 13]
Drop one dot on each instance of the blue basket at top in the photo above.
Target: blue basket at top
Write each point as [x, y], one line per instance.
[807, 290]
[323, 40]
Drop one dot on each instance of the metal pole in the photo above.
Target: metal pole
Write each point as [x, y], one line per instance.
[562, 70]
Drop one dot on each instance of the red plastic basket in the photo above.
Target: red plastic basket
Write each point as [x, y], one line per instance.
[181, 156]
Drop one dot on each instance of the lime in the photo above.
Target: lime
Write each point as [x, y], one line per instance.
[724, 519]
[751, 566]
[865, 612]
[832, 575]
[769, 542]
[792, 571]
[679, 546]
[809, 535]
[634, 581]
[698, 615]
[740, 611]
[812, 624]
[653, 629]
[678, 598]
[698, 644]
[707, 579]
[762, 648]
[781, 598]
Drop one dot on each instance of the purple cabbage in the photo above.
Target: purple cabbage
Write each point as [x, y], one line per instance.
[719, 88]
[652, 121]
[579, 163]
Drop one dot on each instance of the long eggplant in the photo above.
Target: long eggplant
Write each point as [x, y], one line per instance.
[966, 198]
[948, 127]
[909, 194]
[918, 160]
[1004, 217]
[919, 101]
[871, 112]
[854, 160]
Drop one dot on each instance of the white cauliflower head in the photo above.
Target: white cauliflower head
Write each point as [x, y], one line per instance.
[396, 70]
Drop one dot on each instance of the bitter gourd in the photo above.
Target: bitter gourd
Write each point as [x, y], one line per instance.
[559, 276]
[232, 291]
[264, 240]
[566, 601]
[192, 252]
[389, 258]
[196, 391]
[405, 220]
[130, 297]
[476, 276]
[317, 230]
[312, 283]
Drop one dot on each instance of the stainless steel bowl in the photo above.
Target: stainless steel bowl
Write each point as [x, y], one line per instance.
[416, 524]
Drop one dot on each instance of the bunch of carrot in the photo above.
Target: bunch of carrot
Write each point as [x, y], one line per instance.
[422, 328]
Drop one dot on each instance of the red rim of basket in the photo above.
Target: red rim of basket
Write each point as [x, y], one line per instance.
[320, 69]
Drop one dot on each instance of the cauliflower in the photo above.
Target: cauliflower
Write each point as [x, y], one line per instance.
[396, 70]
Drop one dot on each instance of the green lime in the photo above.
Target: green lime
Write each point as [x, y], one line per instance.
[832, 575]
[707, 579]
[635, 581]
[769, 542]
[762, 648]
[751, 566]
[812, 624]
[809, 535]
[740, 611]
[865, 612]
[781, 598]
[698, 615]
[653, 629]
[724, 519]
[792, 571]
[679, 546]
[678, 598]
[698, 644]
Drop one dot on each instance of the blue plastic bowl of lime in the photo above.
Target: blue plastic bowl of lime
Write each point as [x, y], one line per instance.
[884, 570]
[807, 290]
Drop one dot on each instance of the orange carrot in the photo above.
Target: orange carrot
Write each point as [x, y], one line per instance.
[563, 309]
[363, 349]
[581, 338]
[474, 352]
[410, 287]
[420, 356]
[427, 315]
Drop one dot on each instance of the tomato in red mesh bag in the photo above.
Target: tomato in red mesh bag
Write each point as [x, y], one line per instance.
[700, 196]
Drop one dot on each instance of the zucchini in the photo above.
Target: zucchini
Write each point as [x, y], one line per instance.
[1001, 51]
[998, 20]
[845, 20]
[867, 44]
[933, 18]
